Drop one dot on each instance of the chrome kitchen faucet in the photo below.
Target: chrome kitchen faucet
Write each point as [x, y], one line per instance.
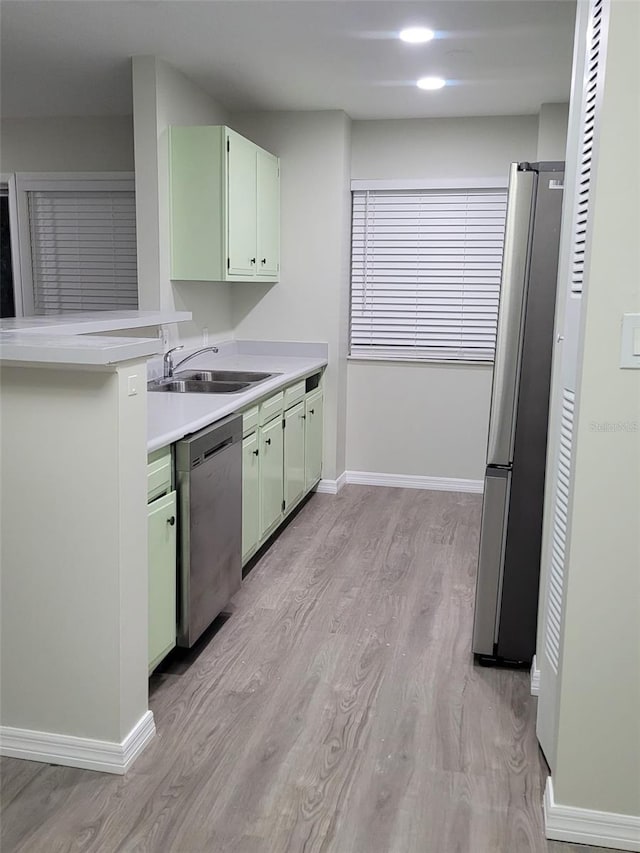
[169, 366]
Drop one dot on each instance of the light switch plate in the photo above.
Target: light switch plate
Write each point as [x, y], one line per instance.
[630, 348]
[132, 385]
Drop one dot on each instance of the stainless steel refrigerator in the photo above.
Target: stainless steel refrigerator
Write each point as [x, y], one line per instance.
[510, 541]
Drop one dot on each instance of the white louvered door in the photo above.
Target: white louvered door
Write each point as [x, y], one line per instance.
[581, 155]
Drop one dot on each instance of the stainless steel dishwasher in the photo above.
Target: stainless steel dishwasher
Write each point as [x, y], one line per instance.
[209, 480]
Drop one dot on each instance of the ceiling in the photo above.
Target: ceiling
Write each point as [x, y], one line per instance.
[500, 58]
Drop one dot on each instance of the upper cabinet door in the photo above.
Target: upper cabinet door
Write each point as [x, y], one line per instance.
[268, 213]
[241, 206]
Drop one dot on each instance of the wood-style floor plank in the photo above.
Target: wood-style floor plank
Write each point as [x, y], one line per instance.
[337, 709]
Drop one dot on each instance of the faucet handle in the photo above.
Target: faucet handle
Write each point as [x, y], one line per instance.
[168, 361]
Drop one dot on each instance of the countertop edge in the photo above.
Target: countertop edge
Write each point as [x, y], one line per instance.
[18, 349]
[66, 324]
[248, 398]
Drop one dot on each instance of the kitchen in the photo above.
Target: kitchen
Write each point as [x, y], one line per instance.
[310, 302]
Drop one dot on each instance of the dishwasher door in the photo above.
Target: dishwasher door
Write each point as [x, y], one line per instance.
[209, 480]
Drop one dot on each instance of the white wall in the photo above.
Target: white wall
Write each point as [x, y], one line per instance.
[67, 144]
[598, 743]
[73, 551]
[162, 96]
[427, 419]
[552, 131]
[310, 303]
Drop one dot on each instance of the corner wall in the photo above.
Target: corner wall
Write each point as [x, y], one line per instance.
[67, 144]
[162, 96]
[73, 554]
[552, 131]
[427, 419]
[597, 763]
[310, 302]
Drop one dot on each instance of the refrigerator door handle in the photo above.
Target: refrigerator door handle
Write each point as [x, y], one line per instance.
[513, 286]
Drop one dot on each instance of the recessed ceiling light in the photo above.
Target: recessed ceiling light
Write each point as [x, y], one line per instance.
[416, 35]
[431, 83]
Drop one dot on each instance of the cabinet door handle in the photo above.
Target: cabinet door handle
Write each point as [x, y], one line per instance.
[171, 520]
[312, 411]
[253, 260]
[263, 261]
[267, 441]
[303, 417]
[255, 452]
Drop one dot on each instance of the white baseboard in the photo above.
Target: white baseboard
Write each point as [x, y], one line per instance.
[107, 756]
[332, 487]
[411, 481]
[535, 678]
[586, 826]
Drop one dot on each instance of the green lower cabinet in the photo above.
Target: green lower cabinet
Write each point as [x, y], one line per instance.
[294, 430]
[250, 494]
[313, 439]
[161, 526]
[271, 475]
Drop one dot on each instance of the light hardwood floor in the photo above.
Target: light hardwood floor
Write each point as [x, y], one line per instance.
[337, 710]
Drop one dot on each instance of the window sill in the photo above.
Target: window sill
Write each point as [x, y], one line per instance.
[443, 362]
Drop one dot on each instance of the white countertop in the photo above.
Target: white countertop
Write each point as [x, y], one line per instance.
[171, 416]
[74, 350]
[69, 340]
[90, 322]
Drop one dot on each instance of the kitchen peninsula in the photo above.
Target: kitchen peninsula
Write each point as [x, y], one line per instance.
[77, 425]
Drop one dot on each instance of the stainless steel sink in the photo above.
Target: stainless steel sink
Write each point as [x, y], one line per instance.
[209, 381]
[196, 386]
[223, 376]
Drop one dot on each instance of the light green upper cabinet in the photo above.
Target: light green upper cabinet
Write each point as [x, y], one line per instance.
[197, 177]
[293, 454]
[313, 438]
[224, 206]
[241, 205]
[268, 219]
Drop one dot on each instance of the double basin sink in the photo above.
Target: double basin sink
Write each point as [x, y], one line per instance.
[209, 381]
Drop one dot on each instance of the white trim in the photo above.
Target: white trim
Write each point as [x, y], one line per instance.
[332, 487]
[424, 184]
[535, 678]
[411, 481]
[43, 179]
[9, 179]
[587, 826]
[70, 751]
[438, 362]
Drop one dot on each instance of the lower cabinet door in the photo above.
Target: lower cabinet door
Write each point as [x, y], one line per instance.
[162, 526]
[250, 494]
[271, 475]
[313, 439]
[293, 455]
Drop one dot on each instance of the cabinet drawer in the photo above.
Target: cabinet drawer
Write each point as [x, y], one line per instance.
[250, 420]
[158, 473]
[294, 393]
[271, 408]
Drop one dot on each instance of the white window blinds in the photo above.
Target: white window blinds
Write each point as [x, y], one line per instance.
[425, 273]
[83, 249]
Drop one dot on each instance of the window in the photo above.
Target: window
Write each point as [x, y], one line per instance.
[425, 273]
[78, 243]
